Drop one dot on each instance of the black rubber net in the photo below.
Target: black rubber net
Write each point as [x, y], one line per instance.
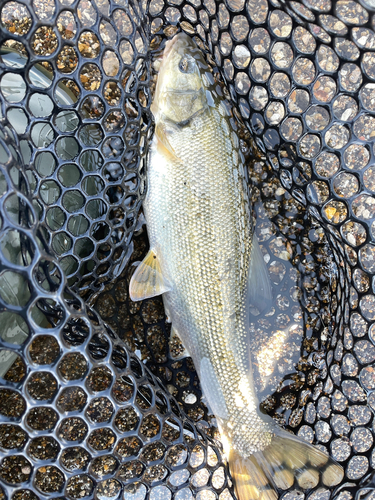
[93, 403]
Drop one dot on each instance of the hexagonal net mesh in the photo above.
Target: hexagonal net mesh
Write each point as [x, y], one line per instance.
[81, 416]
[79, 413]
[86, 127]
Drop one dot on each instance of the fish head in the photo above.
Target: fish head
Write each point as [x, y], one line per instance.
[180, 90]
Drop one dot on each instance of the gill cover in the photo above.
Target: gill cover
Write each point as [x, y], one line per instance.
[180, 90]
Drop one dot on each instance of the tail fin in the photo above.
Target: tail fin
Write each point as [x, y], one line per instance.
[287, 460]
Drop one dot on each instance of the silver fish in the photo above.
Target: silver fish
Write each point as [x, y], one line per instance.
[205, 261]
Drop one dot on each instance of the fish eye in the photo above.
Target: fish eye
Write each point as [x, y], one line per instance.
[186, 65]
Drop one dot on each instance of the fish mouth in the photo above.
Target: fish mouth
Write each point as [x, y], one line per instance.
[180, 37]
[168, 46]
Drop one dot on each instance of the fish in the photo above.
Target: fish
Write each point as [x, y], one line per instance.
[205, 261]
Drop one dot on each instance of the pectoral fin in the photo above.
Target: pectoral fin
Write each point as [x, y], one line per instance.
[148, 280]
[163, 142]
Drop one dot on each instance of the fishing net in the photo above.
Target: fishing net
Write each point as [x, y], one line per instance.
[82, 412]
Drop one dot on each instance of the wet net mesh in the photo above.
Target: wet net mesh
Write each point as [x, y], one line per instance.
[81, 413]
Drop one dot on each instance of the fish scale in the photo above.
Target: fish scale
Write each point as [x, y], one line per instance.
[208, 266]
[216, 196]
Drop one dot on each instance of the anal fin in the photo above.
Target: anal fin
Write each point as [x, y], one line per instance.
[148, 280]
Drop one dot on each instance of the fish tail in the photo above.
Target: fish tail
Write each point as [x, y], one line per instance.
[285, 462]
[250, 480]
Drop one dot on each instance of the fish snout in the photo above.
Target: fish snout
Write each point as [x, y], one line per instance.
[181, 40]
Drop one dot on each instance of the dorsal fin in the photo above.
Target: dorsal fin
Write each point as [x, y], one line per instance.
[148, 280]
[259, 294]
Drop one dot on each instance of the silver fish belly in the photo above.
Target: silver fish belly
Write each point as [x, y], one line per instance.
[204, 260]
